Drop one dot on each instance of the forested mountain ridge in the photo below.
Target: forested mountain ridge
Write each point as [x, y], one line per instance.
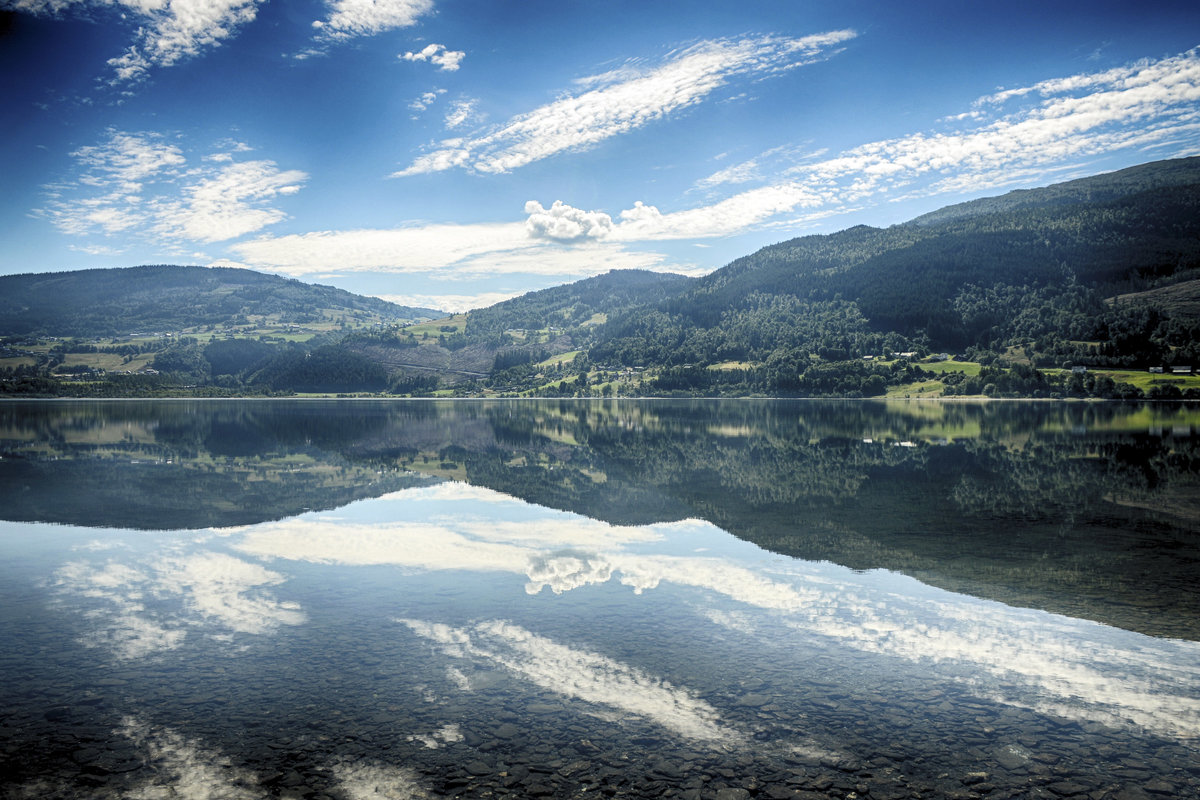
[1032, 268]
[108, 302]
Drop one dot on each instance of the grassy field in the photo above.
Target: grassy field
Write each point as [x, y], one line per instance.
[932, 388]
[437, 327]
[561, 358]
[970, 368]
[1140, 378]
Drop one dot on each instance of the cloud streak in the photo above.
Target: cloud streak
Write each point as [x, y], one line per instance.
[141, 184]
[623, 101]
[348, 19]
[1139, 106]
[167, 32]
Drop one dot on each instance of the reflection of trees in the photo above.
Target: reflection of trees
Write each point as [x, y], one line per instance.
[1073, 506]
[180, 464]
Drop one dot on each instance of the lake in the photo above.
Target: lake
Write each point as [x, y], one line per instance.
[340, 600]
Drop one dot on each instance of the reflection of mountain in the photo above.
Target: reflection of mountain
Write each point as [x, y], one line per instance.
[150, 465]
[1015, 502]
[1085, 509]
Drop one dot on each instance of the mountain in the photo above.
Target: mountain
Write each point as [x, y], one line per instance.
[108, 302]
[583, 303]
[1035, 268]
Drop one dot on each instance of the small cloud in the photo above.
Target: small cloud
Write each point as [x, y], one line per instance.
[462, 112]
[564, 223]
[426, 99]
[438, 55]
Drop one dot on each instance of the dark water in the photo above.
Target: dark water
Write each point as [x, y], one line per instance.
[565, 599]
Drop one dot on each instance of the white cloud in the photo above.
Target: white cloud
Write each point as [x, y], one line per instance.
[167, 32]
[426, 100]
[353, 18]
[460, 113]
[438, 55]
[418, 248]
[448, 252]
[178, 30]
[227, 591]
[623, 101]
[128, 158]
[453, 303]
[730, 216]
[1136, 106]
[364, 780]
[138, 183]
[230, 203]
[564, 223]
[582, 675]
[738, 173]
[416, 545]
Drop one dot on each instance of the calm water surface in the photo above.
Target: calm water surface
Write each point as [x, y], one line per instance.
[722, 600]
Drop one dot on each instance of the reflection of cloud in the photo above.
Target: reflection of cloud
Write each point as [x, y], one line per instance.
[360, 780]
[1052, 664]
[562, 572]
[411, 544]
[181, 767]
[581, 675]
[137, 611]
[220, 588]
[447, 734]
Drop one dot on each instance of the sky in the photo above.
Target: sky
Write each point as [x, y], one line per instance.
[450, 154]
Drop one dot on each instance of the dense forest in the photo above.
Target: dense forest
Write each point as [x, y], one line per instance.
[1067, 290]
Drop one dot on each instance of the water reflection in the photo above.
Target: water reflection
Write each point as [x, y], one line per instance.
[562, 599]
[152, 604]
[1050, 663]
[1084, 509]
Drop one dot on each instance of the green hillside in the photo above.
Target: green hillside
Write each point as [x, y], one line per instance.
[111, 302]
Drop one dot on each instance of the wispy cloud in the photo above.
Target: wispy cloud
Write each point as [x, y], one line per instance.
[349, 19]
[623, 101]
[461, 113]
[141, 184]
[453, 303]
[1132, 107]
[446, 252]
[1141, 106]
[167, 32]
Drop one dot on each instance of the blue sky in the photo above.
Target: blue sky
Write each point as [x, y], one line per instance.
[452, 153]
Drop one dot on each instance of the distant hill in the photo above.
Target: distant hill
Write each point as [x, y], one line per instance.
[109, 302]
[586, 302]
